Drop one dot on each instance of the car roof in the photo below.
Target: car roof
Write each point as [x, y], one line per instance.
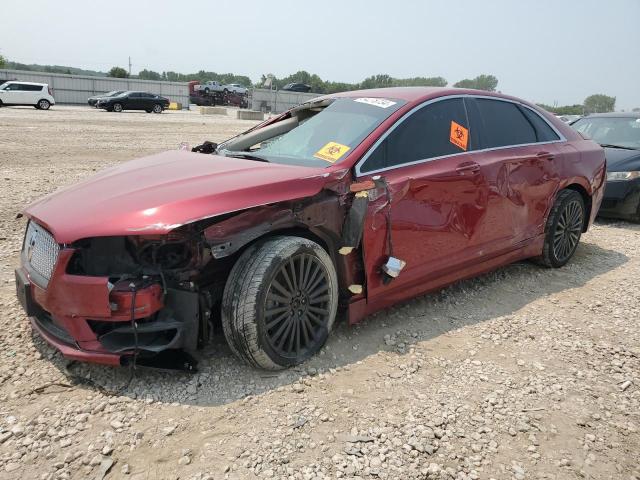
[615, 114]
[26, 83]
[419, 94]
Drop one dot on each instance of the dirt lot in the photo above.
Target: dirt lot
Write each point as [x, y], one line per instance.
[522, 373]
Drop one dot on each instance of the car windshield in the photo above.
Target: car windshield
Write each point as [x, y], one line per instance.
[616, 131]
[112, 93]
[329, 135]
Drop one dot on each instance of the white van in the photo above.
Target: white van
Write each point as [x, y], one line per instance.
[26, 93]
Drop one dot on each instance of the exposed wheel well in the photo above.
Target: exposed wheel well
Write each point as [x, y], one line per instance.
[325, 243]
[587, 202]
[295, 232]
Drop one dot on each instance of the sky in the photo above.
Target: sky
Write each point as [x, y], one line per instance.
[545, 51]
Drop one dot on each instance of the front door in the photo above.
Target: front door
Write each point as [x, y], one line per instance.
[444, 211]
[13, 94]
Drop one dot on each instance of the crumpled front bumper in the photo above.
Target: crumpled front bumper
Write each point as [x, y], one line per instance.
[86, 319]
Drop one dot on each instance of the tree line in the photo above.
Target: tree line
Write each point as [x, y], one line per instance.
[597, 103]
[317, 84]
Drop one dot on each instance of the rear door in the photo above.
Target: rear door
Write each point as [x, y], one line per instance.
[523, 146]
[147, 100]
[33, 94]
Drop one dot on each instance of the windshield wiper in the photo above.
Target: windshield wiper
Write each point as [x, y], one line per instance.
[609, 145]
[247, 156]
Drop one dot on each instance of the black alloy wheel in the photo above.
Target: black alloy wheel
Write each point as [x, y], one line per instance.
[563, 229]
[568, 230]
[296, 310]
[280, 302]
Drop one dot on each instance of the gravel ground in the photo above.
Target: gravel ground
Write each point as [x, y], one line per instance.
[521, 373]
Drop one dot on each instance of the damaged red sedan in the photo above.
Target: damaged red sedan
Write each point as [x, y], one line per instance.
[349, 203]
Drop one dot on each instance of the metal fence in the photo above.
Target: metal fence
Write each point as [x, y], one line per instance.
[276, 101]
[75, 89]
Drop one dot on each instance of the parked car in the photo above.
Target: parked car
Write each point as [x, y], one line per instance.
[619, 134]
[148, 102]
[94, 100]
[297, 87]
[210, 86]
[38, 95]
[235, 88]
[352, 201]
[568, 118]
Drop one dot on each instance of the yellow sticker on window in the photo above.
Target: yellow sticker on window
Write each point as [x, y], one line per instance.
[332, 152]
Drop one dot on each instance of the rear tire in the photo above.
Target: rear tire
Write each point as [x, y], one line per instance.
[280, 302]
[117, 107]
[563, 229]
[43, 104]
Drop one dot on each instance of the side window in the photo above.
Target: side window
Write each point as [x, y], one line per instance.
[504, 124]
[16, 86]
[32, 88]
[438, 129]
[544, 133]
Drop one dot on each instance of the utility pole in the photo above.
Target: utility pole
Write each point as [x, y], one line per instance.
[129, 66]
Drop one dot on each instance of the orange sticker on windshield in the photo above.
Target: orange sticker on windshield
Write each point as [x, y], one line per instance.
[332, 152]
[459, 135]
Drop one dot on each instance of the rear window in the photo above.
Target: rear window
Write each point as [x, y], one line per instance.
[544, 133]
[503, 124]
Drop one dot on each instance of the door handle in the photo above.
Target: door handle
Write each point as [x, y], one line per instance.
[545, 155]
[468, 167]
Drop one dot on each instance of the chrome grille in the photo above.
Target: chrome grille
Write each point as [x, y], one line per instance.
[40, 250]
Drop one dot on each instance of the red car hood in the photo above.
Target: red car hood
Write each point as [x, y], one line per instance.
[156, 194]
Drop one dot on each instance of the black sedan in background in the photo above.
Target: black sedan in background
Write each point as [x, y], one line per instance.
[148, 102]
[297, 87]
[619, 134]
[93, 100]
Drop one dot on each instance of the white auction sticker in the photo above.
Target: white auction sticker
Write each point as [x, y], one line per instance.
[376, 102]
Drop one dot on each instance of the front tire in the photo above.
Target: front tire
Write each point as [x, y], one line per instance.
[43, 104]
[117, 107]
[563, 229]
[280, 302]
[157, 108]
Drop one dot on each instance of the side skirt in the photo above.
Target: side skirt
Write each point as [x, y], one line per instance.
[361, 308]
